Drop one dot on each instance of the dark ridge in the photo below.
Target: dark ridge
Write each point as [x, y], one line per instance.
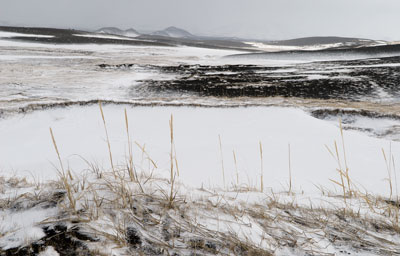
[44, 106]
[118, 66]
[41, 30]
[66, 36]
[202, 42]
[326, 113]
[344, 52]
[304, 41]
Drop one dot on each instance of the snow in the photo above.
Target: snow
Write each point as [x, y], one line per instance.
[79, 134]
[4, 34]
[185, 53]
[44, 73]
[78, 47]
[20, 227]
[375, 65]
[278, 48]
[105, 36]
[65, 73]
[272, 48]
[246, 229]
[49, 252]
[19, 57]
[317, 77]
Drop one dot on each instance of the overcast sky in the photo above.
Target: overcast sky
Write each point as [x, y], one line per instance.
[263, 19]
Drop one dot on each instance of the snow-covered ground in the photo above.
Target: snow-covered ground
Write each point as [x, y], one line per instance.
[70, 73]
[79, 134]
[278, 48]
[35, 73]
[4, 35]
[217, 154]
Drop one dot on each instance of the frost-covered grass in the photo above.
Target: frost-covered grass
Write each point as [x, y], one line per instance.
[113, 215]
[131, 207]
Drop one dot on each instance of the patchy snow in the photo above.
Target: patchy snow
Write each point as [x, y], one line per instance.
[33, 73]
[277, 48]
[380, 127]
[61, 75]
[279, 222]
[317, 77]
[105, 36]
[375, 65]
[20, 226]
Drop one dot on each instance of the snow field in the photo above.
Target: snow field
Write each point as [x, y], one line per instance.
[79, 133]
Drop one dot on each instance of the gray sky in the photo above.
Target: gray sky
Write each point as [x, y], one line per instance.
[263, 19]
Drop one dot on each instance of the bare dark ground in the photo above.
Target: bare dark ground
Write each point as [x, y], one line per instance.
[370, 79]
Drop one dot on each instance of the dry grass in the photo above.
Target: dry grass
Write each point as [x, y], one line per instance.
[65, 176]
[108, 139]
[131, 168]
[142, 214]
[114, 210]
[348, 188]
[173, 162]
[262, 168]
[290, 170]
[222, 160]
[236, 168]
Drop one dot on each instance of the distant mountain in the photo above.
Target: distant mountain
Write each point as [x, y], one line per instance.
[174, 32]
[119, 32]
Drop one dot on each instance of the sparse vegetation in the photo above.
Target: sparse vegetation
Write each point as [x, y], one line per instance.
[122, 211]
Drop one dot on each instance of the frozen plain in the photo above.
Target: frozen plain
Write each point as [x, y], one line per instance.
[35, 76]
[30, 75]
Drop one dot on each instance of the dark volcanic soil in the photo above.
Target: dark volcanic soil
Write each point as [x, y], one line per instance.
[370, 79]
